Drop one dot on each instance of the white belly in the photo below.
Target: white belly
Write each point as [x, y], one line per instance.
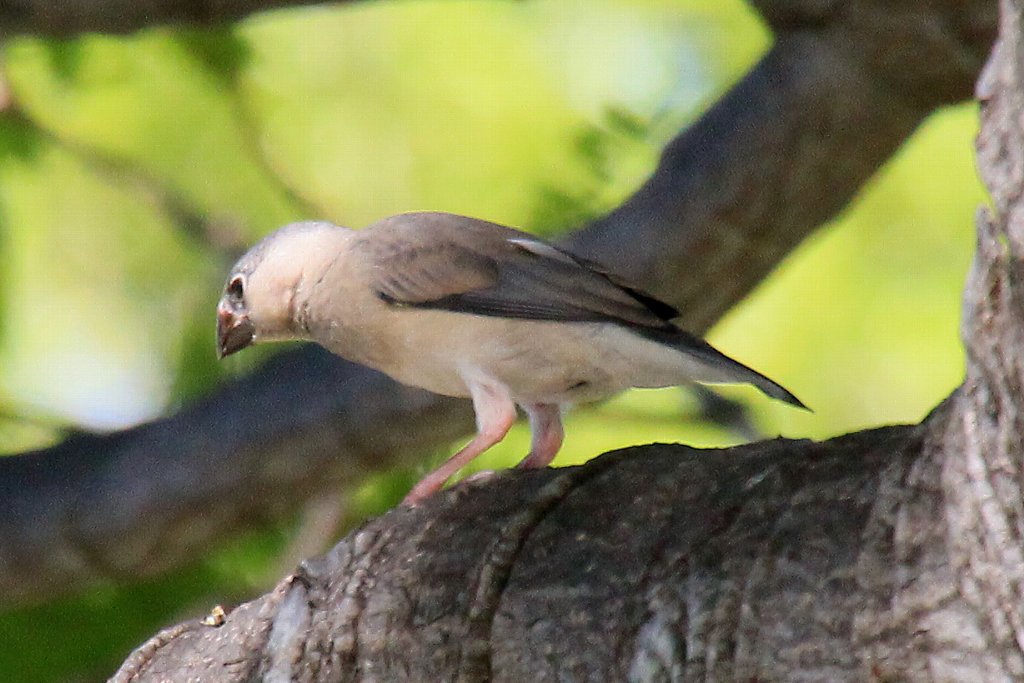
[534, 361]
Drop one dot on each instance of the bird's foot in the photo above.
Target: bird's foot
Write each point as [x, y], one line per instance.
[425, 489]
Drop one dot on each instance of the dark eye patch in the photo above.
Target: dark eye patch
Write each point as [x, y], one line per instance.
[235, 288]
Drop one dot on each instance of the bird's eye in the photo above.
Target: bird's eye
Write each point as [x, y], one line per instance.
[235, 289]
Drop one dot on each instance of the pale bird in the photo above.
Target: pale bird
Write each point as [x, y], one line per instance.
[467, 308]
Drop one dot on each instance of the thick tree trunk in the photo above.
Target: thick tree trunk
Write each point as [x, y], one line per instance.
[890, 554]
[841, 89]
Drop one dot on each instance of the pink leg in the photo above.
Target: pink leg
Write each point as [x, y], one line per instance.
[546, 425]
[495, 413]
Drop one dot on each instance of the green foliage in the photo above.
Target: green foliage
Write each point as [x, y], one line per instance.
[133, 168]
[221, 52]
[86, 637]
[598, 148]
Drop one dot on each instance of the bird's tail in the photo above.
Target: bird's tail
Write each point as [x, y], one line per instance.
[720, 367]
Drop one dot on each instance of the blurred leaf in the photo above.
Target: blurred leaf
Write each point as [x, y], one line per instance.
[64, 57]
[222, 51]
[93, 289]
[148, 101]
[19, 141]
[601, 149]
[20, 433]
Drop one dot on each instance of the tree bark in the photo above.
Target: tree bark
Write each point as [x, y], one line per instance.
[844, 85]
[894, 554]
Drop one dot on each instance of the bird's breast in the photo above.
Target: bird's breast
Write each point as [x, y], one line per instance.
[535, 361]
[444, 351]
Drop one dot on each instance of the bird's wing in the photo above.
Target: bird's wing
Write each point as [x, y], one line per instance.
[465, 265]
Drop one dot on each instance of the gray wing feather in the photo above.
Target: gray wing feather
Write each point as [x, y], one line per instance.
[469, 266]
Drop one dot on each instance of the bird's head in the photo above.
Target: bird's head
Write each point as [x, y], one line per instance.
[263, 291]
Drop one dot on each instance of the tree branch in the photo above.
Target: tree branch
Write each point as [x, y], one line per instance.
[892, 554]
[65, 18]
[622, 569]
[786, 148]
[783, 151]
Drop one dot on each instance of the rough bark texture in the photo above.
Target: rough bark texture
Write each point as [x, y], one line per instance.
[783, 151]
[643, 564]
[893, 554]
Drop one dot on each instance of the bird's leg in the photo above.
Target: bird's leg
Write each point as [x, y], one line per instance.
[495, 413]
[546, 427]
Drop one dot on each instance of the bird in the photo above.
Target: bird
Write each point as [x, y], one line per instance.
[464, 307]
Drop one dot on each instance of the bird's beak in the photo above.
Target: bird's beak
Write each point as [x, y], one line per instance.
[234, 331]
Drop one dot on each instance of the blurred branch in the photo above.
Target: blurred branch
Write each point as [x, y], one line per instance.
[894, 554]
[210, 48]
[159, 194]
[782, 152]
[144, 500]
[65, 18]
